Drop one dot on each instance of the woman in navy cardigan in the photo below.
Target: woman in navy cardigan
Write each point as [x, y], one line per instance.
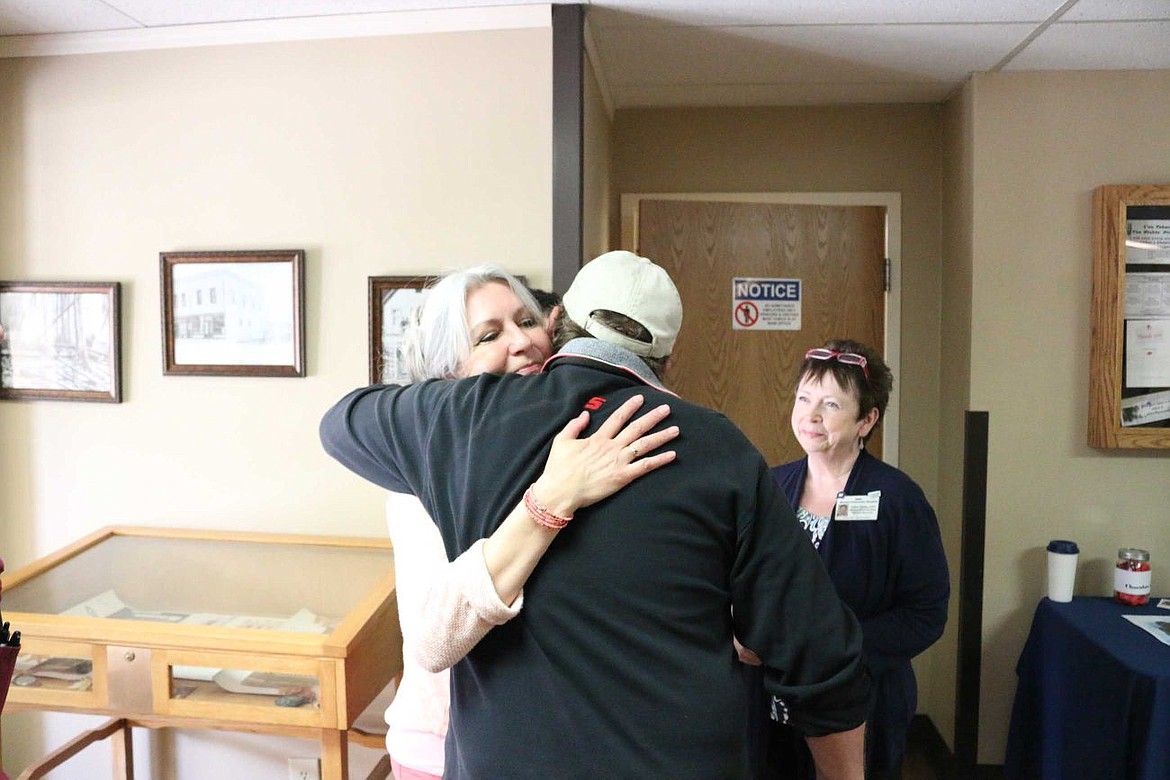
[878, 537]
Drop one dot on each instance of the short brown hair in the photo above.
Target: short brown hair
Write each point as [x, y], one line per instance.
[871, 392]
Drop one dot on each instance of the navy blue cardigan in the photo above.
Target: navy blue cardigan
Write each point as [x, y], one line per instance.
[892, 573]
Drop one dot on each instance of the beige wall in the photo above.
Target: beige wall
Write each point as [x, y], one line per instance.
[391, 155]
[855, 149]
[860, 149]
[996, 275]
[954, 375]
[596, 197]
[1039, 144]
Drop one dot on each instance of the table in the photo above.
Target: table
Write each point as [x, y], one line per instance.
[1093, 696]
[166, 628]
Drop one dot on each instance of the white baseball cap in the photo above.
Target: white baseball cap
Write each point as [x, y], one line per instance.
[630, 285]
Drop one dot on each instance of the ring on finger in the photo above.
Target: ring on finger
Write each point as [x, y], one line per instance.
[634, 452]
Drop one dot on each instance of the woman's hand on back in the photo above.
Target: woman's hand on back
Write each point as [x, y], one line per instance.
[580, 472]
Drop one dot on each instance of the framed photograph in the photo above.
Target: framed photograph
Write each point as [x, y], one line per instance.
[392, 298]
[61, 341]
[233, 313]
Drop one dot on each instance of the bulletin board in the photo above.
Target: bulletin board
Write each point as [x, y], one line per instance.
[1129, 374]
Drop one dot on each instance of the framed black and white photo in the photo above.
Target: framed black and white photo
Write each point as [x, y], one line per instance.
[60, 341]
[391, 300]
[233, 313]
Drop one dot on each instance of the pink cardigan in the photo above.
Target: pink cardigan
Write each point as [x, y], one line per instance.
[444, 609]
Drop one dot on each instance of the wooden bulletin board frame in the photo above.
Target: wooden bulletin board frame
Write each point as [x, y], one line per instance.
[1114, 406]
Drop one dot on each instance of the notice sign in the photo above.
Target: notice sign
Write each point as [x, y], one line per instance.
[765, 304]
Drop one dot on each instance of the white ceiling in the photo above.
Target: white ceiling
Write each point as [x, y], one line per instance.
[741, 52]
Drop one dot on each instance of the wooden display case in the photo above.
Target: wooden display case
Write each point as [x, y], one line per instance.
[280, 634]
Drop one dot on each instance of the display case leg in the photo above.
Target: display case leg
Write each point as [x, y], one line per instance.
[122, 746]
[334, 755]
[79, 743]
[381, 770]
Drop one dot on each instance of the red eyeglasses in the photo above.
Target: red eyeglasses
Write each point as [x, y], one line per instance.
[848, 358]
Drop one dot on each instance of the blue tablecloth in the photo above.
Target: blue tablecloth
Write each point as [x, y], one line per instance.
[1093, 697]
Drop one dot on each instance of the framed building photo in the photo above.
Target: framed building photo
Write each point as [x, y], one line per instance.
[60, 341]
[233, 313]
[391, 300]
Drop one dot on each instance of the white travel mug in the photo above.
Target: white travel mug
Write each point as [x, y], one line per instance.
[1062, 569]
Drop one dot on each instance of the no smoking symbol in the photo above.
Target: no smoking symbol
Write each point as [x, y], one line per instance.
[746, 314]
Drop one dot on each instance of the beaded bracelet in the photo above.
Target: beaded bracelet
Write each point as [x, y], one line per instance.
[542, 516]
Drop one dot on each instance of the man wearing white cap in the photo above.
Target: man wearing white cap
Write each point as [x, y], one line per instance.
[621, 663]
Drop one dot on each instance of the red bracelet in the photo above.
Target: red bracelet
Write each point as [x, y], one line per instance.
[541, 515]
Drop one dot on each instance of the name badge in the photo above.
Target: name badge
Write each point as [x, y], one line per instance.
[851, 508]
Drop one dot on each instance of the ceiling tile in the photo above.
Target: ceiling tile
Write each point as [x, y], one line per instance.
[740, 52]
[161, 14]
[1112, 10]
[1097, 46]
[788, 94]
[21, 17]
[782, 12]
[761, 55]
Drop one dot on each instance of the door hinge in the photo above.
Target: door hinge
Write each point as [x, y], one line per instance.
[889, 274]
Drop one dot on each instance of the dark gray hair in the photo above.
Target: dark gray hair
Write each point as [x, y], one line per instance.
[567, 330]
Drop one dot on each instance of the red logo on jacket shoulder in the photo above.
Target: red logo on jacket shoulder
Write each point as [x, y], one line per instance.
[594, 403]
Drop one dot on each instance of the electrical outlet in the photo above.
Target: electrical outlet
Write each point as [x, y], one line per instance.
[304, 769]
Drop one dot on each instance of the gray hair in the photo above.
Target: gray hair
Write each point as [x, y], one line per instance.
[437, 340]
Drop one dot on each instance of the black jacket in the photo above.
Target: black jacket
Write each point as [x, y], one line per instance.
[621, 663]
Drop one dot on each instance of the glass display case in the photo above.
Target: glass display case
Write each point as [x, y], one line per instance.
[281, 634]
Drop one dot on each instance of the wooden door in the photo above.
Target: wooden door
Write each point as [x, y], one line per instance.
[838, 253]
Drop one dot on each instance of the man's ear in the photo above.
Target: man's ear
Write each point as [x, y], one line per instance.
[550, 322]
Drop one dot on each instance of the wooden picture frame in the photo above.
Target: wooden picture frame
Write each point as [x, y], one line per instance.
[61, 341]
[391, 300]
[238, 313]
[1129, 379]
